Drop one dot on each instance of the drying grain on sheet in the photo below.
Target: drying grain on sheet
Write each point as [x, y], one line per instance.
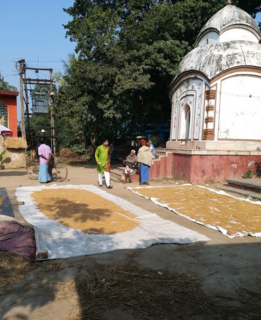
[208, 207]
[1, 202]
[85, 211]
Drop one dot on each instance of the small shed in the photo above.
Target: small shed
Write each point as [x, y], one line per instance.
[15, 156]
[5, 132]
[8, 110]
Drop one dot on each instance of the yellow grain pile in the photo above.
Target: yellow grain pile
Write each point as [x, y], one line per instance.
[209, 207]
[85, 211]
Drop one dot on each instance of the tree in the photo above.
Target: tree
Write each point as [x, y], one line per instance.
[128, 51]
[4, 85]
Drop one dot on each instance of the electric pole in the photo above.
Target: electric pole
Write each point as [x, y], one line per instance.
[21, 70]
[26, 81]
[29, 136]
[52, 113]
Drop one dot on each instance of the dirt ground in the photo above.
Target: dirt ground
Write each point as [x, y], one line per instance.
[226, 271]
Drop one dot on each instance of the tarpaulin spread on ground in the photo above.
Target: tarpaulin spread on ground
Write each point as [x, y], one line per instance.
[5, 204]
[81, 220]
[234, 217]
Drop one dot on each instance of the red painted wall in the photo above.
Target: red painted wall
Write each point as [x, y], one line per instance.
[205, 169]
[182, 167]
[202, 169]
[220, 168]
[10, 101]
[161, 168]
[170, 165]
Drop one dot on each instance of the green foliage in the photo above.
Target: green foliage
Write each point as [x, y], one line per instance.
[79, 148]
[4, 85]
[155, 140]
[258, 169]
[36, 121]
[127, 54]
[248, 175]
[2, 155]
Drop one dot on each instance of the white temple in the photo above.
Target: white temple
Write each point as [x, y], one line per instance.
[216, 95]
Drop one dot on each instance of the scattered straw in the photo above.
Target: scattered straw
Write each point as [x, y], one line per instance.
[146, 294]
[85, 211]
[13, 268]
[129, 291]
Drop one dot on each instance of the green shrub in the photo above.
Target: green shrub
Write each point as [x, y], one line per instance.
[248, 175]
[79, 148]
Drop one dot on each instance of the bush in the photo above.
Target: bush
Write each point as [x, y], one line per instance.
[79, 148]
[258, 169]
[248, 175]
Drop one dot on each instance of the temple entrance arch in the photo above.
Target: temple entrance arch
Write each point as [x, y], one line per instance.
[185, 122]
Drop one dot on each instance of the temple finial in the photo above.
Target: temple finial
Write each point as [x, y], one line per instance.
[229, 2]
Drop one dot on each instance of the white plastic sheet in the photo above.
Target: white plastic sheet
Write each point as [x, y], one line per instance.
[63, 242]
[214, 227]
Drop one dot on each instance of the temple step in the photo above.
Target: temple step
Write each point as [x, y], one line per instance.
[253, 185]
[245, 193]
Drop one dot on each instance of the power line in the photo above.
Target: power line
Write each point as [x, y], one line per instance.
[25, 82]
[55, 61]
[10, 75]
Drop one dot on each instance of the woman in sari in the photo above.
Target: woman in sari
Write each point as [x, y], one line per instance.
[145, 158]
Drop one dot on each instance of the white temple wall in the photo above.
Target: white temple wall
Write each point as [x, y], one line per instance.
[187, 109]
[238, 34]
[239, 107]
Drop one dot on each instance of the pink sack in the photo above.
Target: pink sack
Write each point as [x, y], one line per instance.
[18, 239]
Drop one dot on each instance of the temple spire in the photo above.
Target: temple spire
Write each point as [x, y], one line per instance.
[229, 2]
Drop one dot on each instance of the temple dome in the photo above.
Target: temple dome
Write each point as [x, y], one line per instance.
[228, 17]
[216, 58]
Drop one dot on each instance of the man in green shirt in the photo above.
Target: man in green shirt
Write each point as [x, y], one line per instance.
[102, 157]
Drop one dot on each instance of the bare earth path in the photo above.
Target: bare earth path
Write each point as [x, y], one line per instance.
[50, 292]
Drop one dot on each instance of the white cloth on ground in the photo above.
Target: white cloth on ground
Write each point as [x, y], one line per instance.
[64, 242]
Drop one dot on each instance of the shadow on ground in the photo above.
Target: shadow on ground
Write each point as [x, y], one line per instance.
[4, 173]
[195, 281]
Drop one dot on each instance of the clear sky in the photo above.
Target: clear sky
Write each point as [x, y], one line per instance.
[32, 29]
